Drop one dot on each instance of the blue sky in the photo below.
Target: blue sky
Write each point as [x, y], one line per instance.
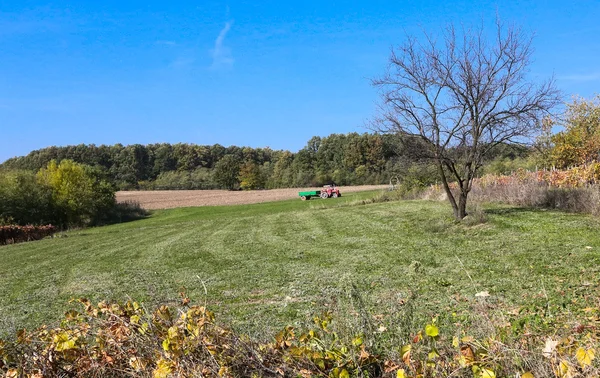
[256, 73]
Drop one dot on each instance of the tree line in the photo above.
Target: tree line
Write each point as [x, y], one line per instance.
[345, 159]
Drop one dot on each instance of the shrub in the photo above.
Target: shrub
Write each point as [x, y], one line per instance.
[17, 234]
[576, 190]
[66, 194]
[579, 143]
[23, 200]
[79, 196]
[125, 212]
[564, 190]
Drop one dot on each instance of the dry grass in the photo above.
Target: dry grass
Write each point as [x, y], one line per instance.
[171, 199]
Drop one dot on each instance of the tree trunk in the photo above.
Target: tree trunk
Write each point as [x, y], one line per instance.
[461, 211]
[447, 187]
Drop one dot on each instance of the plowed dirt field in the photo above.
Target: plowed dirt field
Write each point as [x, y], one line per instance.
[170, 199]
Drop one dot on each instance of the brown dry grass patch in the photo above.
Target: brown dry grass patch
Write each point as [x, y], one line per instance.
[170, 199]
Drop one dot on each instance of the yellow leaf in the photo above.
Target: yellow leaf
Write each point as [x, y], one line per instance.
[486, 373]
[585, 357]
[64, 341]
[433, 354]
[344, 374]
[406, 354]
[163, 369]
[527, 375]
[405, 349]
[455, 342]
[564, 371]
[462, 361]
[431, 330]
[357, 341]
[400, 373]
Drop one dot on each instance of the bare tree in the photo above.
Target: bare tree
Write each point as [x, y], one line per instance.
[462, 97]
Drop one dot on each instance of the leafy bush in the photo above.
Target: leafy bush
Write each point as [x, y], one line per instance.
[125, 212]
[66, 194]
[79, 196]
[23, 200]
[506, 166]
[579, 143]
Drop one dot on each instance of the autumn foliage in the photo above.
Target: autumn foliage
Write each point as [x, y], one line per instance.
[125, 340]
[579, 143]
[16, 234]
[65, 194]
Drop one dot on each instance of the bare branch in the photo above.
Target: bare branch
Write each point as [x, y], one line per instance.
[462, 96]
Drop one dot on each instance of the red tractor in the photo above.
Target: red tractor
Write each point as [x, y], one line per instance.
[330, 191]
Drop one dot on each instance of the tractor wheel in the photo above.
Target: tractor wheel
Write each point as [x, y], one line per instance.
[303, 198]
[324, 195]
[334, 195]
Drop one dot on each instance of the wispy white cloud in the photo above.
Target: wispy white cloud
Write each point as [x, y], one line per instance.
[182, 62]
[221, 54]
[595, 76]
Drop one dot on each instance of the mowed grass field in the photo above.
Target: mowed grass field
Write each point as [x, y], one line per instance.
[270, 264]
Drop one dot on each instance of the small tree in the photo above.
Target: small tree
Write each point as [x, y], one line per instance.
[226, 172]
[250, 176]
[78, 194]
[461, 97]
[579, 143]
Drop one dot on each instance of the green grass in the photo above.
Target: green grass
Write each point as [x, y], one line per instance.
[270, 264]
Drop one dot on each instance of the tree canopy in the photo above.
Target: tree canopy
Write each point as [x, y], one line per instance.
[347, 159]
[579, 143]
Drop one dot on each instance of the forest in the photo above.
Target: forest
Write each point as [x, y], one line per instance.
[350, 159]
[343, 159]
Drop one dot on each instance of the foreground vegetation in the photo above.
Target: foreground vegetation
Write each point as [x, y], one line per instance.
[125, 340]
[261, 267]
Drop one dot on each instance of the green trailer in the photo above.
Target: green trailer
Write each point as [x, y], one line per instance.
[329, 191]
[309, 194]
